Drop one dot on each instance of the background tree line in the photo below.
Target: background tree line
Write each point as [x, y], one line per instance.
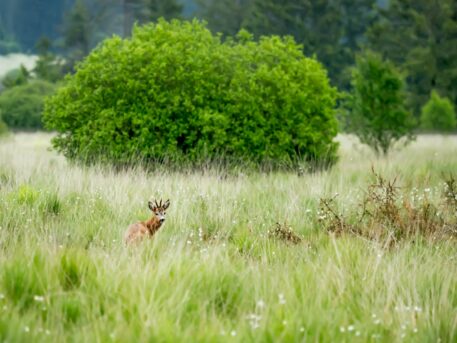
[417, 37]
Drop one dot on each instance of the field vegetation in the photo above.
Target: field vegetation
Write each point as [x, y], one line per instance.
[241, 257]
[283, 227]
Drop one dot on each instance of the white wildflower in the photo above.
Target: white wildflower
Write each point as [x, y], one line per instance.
[38, 298]
[254, 320]
[282, 299]
[260, 304]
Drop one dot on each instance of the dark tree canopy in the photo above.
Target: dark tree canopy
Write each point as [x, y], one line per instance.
[420, 36]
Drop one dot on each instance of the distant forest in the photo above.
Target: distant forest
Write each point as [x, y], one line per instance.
[418, 36]
[28, 20]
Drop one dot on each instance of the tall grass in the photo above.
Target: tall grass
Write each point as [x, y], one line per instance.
[213, 272]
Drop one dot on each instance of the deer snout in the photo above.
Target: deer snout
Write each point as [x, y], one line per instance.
[161, 218]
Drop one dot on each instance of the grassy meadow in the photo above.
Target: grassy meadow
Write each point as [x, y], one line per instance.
[213, 273]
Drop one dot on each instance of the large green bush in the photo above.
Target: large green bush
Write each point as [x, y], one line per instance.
[176, 92]
[3, 127]
[22, 106]
[438, 114]
[377, 106]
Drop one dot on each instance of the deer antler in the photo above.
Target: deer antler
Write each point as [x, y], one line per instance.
[161, 204]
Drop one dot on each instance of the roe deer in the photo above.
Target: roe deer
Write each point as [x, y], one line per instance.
[138, 231]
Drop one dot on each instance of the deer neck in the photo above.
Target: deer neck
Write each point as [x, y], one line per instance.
[153, 224]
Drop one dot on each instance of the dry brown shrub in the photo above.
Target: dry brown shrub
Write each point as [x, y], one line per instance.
[450, 192]
[387, 215]
[332, 220]
[284, 233]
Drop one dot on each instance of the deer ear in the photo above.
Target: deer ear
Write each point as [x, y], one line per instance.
[167, 203]
[151, 205]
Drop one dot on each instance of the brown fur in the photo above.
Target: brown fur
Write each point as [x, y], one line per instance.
[141, 230]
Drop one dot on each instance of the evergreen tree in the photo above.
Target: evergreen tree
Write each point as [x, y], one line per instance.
[332, 30]
[168, 9]
[7, 43]
[144, 11]
[315, 24]
[48, 67]
[420, 36]
[77, 31]
[224, 16]
[357, 17]
[86, 24]
[27, 20]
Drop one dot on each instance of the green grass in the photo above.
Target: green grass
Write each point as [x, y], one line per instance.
[213, 273]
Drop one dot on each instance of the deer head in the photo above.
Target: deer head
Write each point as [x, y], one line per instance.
[159, 209]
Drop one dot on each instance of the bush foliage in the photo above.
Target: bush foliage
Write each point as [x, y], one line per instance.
[3, 127]
[438, 114]
[176, 92]
[377, 110]
[16, 77]
[22, 106]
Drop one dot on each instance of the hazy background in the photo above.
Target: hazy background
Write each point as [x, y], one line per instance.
[418, 37]
[333, 31]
